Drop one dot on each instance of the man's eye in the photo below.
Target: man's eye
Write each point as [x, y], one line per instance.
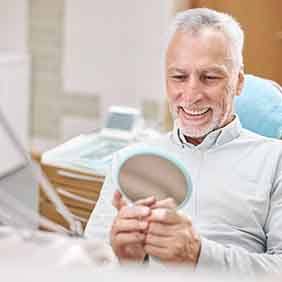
[179, 77]
[210, 78]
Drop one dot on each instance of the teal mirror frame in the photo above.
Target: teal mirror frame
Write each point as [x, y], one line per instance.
[135, 150]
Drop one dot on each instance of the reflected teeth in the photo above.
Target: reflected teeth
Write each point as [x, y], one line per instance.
[196, 112]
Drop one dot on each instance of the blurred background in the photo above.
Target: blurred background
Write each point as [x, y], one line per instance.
[64, 62]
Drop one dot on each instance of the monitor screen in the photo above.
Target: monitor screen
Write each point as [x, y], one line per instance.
[120, 121]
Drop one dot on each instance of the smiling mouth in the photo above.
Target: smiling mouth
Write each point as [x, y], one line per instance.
[195, 113]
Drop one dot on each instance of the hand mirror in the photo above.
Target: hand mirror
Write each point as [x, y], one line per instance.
[144, 171]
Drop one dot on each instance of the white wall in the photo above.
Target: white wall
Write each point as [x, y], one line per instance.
[14, 93]
[13, 25]
[113, 49]
[14, 90]
[14, 65]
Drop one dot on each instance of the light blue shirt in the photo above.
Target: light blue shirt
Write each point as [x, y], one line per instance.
[236, 205]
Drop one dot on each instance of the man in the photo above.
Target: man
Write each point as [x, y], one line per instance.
[234, 221]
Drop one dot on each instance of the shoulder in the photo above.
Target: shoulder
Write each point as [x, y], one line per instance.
[271, 146]
[251, 136]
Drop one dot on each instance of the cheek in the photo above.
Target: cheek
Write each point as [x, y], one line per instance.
[173, 92]
[229, 96]
[218, 96]
[224, 101]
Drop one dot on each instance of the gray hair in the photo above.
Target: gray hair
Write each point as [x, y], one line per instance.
[194, 20]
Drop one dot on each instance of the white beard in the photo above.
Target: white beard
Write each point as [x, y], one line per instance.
[199, 132]
[217, 121]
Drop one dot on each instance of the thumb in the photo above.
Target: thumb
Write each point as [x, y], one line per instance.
[118, 201]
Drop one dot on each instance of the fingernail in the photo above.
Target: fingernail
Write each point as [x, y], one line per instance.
[159, 213]
[144, 211]
[143, 224]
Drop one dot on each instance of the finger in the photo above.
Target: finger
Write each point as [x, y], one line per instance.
[147, 201]
[162, 253]
[136, 212]
[118, 201]
[122, 239]
[168, 203]
[158, 241]
[159, 229]
[166, 216]
[129, 225]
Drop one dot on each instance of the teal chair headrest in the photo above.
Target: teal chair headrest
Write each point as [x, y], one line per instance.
[259, 106]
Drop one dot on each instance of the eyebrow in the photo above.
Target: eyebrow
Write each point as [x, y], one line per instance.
[174, 69]
[215, 68]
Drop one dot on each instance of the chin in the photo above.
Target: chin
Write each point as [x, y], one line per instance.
[196, 132]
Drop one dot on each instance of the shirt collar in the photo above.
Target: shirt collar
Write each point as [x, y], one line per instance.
[215, 138]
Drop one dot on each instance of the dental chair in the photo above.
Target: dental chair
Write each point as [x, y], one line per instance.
[259, 106]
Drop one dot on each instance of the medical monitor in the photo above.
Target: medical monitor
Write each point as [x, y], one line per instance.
[122, 123]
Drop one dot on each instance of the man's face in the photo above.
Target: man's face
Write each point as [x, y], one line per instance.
[201, 83]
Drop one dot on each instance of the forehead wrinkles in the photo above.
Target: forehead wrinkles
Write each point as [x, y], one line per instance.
[218, 68]
[207, 44]
[226, 68]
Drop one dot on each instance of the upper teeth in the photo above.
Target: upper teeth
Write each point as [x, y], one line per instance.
[196, 112]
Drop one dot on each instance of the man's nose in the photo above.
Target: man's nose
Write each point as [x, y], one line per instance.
[192, 90]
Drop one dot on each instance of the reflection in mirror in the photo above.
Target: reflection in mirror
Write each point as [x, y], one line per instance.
[145, 172]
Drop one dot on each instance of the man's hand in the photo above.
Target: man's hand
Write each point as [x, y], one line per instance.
[129, 228]
[171, 237]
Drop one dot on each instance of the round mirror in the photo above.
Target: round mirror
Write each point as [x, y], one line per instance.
[148, 171]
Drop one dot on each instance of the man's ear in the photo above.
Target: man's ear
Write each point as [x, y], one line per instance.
[240, 83]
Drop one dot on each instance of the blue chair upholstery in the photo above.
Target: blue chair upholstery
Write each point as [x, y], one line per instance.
[259, 106]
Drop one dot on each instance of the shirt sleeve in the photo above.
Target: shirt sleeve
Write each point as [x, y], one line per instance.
[236, 259]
